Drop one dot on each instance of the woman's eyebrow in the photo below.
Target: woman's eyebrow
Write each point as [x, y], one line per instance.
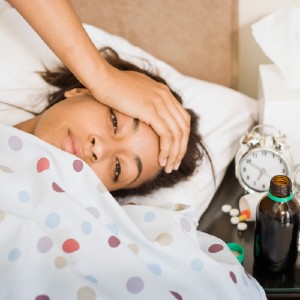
[139, 166]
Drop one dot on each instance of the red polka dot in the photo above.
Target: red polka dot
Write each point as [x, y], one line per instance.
[176, 295]
[215, 248]
[233, 277]
[42, 164]
[70, 246]
[113, 241]
[77, 165]
[57, 188]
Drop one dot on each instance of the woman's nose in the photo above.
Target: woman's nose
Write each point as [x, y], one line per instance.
[103, 147]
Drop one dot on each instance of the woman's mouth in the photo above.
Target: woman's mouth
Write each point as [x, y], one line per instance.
[73, 145]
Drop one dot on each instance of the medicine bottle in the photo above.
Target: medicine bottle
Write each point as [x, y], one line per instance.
[276, 227]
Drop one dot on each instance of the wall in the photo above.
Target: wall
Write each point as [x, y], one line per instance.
[250, 54]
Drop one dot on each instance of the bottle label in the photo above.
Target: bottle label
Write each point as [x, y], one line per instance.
[277, 199]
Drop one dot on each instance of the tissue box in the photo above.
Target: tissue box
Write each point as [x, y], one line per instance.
[279, 106]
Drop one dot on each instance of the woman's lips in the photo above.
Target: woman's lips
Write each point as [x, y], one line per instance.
[73, 145]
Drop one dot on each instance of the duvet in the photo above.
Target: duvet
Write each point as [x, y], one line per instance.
[63, 236]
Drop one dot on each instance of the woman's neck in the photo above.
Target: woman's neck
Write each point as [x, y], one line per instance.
[28, 125]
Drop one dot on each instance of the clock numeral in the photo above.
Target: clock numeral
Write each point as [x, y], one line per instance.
[264, 186]
[283, 171]
[248, 161]
[264, 153]
[248, 177]
[254, 155]
[244, 169]
[254, 183]
[280, 161]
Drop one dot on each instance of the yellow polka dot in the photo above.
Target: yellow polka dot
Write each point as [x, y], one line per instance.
[101, 187]
[86, 293]
[5, 169]
[2, 215]
[60, 262]
[134, 248]
[164, 239]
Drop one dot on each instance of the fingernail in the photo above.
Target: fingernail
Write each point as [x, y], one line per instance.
[177, 165]
[164, 162]
[169, 170]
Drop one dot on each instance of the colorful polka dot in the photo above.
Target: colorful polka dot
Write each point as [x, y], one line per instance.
[44, 244]
[113, 228]
[93, 211]
[134, 248]
[15, 143]
[164, 239]
[91, 279]
[101, 187]
[77, 165]
[43, 164]
[176, 295]
[233, 277]
[60, 262]
[113, 241]
[52, 220]
[14, 254]
[135, 285]
[2, 215]
[5, 169]
[23, 196]
[197, 264]
[86, 227]
[42, 297]
[215, 248]
[86, 293]
[185, 224]
[149, 216]
[70, 245]
[57, 188]
[155, 269]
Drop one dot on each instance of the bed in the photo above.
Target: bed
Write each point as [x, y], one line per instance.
[193, 44]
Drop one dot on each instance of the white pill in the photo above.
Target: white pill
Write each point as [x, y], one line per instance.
[234, 220]
[234, 212]
[226, 208]
[242, 226]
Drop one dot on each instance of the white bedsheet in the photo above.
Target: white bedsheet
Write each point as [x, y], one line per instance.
[63, 236]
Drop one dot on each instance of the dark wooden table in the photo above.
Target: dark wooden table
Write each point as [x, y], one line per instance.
[214, 221]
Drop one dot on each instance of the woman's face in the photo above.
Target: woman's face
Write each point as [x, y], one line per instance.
[121, 150]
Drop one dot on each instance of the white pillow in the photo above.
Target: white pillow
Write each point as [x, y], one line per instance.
[225, 114]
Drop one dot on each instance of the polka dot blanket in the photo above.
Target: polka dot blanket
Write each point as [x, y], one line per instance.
[63, 236]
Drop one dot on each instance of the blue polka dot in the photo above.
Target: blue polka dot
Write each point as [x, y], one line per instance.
[24, 196]
[91, 279]
[113, 228]
[197, 264]
[86, 227]
[14, 254]
[149, 216]
[52, 220]
[155, 268]
[15, 143]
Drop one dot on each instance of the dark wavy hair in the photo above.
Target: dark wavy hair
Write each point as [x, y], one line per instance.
[64, 80]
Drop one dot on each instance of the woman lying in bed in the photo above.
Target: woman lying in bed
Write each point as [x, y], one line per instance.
[121, 150]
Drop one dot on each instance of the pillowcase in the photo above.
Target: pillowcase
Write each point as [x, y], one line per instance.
[225, 114]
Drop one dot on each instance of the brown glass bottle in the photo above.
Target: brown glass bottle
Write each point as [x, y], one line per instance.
[277, 226]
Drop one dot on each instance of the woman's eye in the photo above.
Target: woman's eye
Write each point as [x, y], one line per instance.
[114, 121]
[117, 171]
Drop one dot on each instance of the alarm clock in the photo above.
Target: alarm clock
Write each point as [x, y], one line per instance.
[263, 153]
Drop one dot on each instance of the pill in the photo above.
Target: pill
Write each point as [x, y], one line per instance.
[243, 218]
[226, 208]
[242, 226]
[234, 220]
[246, 212]
[234, 212]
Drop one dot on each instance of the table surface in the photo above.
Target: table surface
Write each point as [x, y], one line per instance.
[214, 221]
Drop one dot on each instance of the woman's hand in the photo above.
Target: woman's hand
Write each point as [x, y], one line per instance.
[131, 93]
[138, 96]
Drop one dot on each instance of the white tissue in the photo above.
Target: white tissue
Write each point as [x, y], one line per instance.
[278, 35]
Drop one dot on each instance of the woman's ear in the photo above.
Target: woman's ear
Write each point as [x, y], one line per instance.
[76, 92]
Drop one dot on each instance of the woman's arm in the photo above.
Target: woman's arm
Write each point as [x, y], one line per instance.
[131, 93]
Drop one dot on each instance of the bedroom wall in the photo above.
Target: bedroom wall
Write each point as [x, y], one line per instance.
[250, 54]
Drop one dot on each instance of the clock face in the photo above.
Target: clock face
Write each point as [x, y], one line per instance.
[257, 167]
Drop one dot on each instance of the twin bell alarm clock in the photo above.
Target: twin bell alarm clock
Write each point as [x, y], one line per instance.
[263, 153]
